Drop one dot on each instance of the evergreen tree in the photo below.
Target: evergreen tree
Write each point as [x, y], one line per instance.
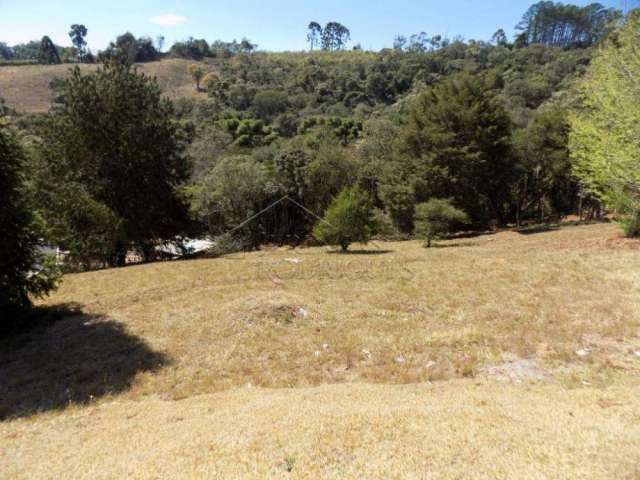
[459, 139]
[555, 23]
[334, 36]
[48, 52]
[436, 217]
[24, 271]
[349, 219]
[114, 137]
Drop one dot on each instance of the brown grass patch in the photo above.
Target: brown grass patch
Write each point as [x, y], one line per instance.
[26, 87]
[508, 305]
[410, 315]
[459, 429]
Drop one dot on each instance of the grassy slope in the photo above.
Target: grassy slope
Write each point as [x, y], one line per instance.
[165, 361]
[26, 88]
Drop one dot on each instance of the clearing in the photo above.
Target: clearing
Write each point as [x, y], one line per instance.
[26, 87]
[512, 355]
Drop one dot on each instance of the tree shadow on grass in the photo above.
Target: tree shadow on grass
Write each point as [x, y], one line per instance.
[360, 252]
[437, 245]
[68, 357]
[470, 234]
[540, 228]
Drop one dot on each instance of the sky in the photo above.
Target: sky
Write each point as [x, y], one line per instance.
[275, 25]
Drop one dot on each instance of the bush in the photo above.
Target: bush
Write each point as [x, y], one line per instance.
[269, 103]
[631, 225]
[436, 217]
[348, 219]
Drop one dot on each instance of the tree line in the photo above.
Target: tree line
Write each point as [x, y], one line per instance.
[546, 22]
[555, 23]
[126, 47]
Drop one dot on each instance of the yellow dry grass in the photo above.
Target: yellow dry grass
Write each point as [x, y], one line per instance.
[26, 87]
[523, 351]
[441, 431]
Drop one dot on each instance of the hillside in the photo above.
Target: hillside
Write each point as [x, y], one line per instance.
[521, 348]
[26, 88]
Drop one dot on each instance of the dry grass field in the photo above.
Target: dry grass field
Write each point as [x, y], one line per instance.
[26, 87]
[512, 355]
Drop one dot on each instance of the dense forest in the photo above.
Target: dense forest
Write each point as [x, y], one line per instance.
[433, 132]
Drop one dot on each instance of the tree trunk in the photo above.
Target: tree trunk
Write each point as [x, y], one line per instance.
[580, 206]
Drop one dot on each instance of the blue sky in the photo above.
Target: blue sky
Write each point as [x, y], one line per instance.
[273, 24]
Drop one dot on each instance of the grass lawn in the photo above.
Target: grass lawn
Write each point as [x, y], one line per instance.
[513, 355]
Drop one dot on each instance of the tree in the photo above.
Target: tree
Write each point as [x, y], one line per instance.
[334, 36]
[77, 33]
[232, 191]
[314, 35]
[555, 23]
[128, 48]
[197, 72]
[210, 81]
[48, 52]
[246, 46]
[328, 173]
[544, 166]
[24, 270]
[435, 217]
[6, 52]
[399, 42]
[605, 131]
[459, 138]
[193, 48]
[349, 219]
[160, 43]
[500, 38]
[418, 43]
[269, 103]
[124, 150]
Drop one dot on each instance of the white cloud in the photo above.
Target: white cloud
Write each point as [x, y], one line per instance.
[168, 20]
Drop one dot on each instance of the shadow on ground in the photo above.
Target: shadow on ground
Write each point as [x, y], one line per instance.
[534, 229]
[73, 358]
[453, 245]
[360, 252]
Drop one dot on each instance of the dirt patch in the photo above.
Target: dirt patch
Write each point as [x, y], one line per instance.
[517, 370]
[279, 310]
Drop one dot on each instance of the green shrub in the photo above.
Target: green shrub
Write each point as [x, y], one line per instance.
[435, 217]
[348, 219]
[631, 225]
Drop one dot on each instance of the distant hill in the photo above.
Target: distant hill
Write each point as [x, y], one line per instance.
[26, 87]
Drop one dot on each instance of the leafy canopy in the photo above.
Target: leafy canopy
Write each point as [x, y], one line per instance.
[605, 132]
